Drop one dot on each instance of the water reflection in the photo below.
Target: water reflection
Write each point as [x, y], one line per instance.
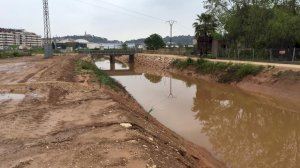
[241, 129]
[104, 64]
[153, 78]
[247, 131]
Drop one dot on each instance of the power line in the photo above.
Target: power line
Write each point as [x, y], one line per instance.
[123, 8]
[98, 6]
[133, 11]
[137, 13]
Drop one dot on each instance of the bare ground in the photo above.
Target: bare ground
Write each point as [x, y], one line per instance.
[51, 117]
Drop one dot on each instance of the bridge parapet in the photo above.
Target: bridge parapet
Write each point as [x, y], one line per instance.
[114, 52]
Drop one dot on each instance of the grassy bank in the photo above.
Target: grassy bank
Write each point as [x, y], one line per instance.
[84, 67]
[20, 53]
[13, 54]
[224, 72]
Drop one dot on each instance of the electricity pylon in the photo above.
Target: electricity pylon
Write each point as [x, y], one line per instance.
[171, 23]
[47, 32]
[171, 89]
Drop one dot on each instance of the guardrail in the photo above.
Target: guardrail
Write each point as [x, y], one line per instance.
[111, 52]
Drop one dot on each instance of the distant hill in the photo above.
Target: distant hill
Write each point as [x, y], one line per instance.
[183, 40]
[90, 38]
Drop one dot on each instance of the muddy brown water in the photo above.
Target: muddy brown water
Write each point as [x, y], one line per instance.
[238, 128]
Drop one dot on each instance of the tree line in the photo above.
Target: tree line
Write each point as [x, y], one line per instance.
[251, 23]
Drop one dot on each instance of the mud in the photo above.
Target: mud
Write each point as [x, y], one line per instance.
[66, 120]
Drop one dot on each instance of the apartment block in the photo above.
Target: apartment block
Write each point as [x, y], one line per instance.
[18, 37]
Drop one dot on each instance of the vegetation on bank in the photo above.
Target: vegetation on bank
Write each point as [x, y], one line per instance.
[12, 54]
[20, 53]
[224, 72]
[83, 66]
[251, 24]
[291, 75]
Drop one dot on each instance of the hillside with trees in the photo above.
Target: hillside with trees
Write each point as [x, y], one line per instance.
[90, 38]
[180, 40]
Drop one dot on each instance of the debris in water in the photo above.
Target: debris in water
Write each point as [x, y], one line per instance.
[225, 103]
[11, 96]
[126, 125]
[151, 110]
[153, 166]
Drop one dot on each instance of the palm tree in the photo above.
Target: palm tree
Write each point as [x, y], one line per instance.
[205, 26]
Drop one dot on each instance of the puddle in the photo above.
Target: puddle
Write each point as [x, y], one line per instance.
[11, 96]
[238, 128]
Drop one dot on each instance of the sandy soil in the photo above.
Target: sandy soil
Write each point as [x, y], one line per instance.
[52, 117]
[266, 83]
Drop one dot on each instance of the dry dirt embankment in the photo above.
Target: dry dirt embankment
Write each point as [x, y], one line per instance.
[277, 80]
[50, 116]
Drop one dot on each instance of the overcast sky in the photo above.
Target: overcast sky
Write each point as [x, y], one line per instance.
[112, 19]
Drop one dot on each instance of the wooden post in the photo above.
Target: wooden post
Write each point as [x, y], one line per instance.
[253, 54]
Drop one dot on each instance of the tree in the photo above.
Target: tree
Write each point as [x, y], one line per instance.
[153, 78]
[205, 27]
[258, 24]
[124, 46]
[154, 42]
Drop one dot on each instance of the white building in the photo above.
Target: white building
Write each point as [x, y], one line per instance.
[111, 45]
[82, 41]
[18, 37]
[95, 46]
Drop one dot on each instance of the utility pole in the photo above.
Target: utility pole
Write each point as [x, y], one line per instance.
[47, 33]
[171, 89]
[171, 23]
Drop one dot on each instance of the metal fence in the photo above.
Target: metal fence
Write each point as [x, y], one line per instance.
[269, 55]
[172, 51]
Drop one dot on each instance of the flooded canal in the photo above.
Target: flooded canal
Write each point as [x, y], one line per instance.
[240, 129]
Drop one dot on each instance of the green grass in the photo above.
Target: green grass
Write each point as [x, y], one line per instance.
[20, 53]
[224, 72]
[102, 77]
[291, 75]
[13, 54]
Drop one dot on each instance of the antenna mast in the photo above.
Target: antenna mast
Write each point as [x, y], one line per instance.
[47, 33]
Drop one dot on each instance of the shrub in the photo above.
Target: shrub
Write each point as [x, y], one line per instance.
[16, 54]
[211, 56]
[88, 67]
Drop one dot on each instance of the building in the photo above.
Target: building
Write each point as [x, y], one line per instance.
[95, 46]
[69, 45]
[19, 38]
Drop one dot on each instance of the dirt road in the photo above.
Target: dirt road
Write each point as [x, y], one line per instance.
[52, 117]
[282, 66]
